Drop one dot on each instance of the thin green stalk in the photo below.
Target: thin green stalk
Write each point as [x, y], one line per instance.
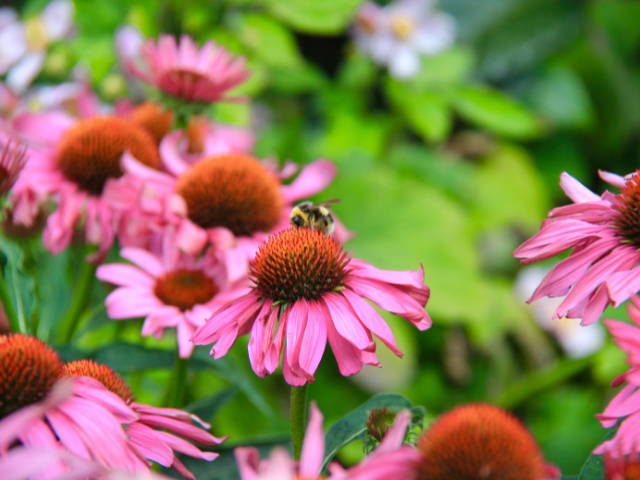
[175, 393]
[299, 400]
[16, 323]
[79, 301]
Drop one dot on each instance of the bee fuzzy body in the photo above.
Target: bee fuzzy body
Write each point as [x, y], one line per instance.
[313, 216]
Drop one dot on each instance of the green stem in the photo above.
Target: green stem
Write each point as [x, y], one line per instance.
[79, 301]
[16, 323]
[176, 387]
[298, 408]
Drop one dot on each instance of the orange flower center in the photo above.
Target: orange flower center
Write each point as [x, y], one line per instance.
[628, 206]
[153, 119]
[232, 191]
[298, 263]
[185, 288]
[622, 468]
[28, 370]
[89, 153]
[479, 442]
[110, 379]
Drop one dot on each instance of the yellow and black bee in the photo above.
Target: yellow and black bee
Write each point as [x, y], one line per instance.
[315, 216]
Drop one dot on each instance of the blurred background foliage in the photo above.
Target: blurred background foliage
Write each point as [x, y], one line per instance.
[451, 169]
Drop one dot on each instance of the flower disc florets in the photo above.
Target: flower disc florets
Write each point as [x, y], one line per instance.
[110, 379]
[299, 263]
[232, 191]
[479, 442]
[153, 119]
[28, 370]
[89, 153]
[628, 206]
[185, 288]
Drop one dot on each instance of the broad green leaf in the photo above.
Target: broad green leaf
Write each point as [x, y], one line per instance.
[18, 283]
[507, 190]
[353, 425]
[269, 41]
[327, 16]
[449, 67]
[493, 110]
[561, 96]
[593, 469]
[426, 112]
[127, 357]
[207, 407]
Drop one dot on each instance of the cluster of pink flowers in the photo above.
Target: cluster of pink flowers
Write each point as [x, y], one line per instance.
[602, 233]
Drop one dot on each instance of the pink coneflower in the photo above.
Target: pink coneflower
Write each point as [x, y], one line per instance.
[89, 423]
[157, 433]
[309, 291]
[389, 460]
[74, 170]
[481, 442]
[13, 156]
[603, 232]
[186, 72]
[230, 201]
[170, 291]
[625, 405]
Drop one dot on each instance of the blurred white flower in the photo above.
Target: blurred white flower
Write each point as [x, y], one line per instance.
[576, 340]
[23, 44]
[398, 34]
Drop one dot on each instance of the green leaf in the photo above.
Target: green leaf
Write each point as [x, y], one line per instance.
[19, 284]
[562, 97]
[491, 109]
[207, 407]
[269, 41]
[353, 425]
[128, 357]
[593, 469]
[449, 67]
[427, 112]
[313, 16]
[507, 189]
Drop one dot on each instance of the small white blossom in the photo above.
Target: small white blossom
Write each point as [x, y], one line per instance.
[398, 34]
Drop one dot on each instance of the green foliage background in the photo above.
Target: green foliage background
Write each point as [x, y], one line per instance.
[451, 170]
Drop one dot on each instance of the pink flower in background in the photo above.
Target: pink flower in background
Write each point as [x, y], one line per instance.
[229, 201]
[13, 156]
[182, 70]
[389, 461]
[603, 232]
[73, 168]
[625, 406]
[88, 423]
[398, 34]
[157, 433]
[173, 290]
[24, 44]
[308, 291]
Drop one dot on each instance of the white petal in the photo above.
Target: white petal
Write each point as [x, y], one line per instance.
[434, 34]
[13, 45]
[7, 16]
[21, 76]
[404, 63]
[57, 19]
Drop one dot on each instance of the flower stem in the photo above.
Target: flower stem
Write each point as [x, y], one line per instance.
[298, 408]
[16, 323]
[81, 293]
[176, 387]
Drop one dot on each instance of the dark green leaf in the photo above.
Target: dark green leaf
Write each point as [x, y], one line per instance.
[207, 407]
[493, 110]
[326, 16]
[353, 425]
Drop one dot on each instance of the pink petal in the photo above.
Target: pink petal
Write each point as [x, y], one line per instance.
[313, 445]
[312, 179]
[346, 321]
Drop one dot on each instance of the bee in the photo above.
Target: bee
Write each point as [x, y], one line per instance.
[315, 216]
